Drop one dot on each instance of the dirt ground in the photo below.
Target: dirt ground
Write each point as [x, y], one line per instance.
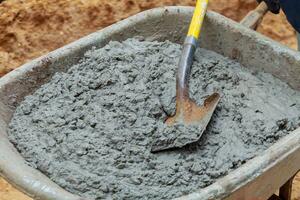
[30, 28]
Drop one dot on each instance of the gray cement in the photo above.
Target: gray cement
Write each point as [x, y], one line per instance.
[91, 129]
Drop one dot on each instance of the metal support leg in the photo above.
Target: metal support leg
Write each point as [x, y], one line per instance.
[274, 197]
[285, 192]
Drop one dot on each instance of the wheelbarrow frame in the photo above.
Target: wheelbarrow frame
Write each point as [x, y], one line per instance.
[256, 179]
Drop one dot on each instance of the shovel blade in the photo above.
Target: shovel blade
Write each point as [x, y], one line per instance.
[187, 125]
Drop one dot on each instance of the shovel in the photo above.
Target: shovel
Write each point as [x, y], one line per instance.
[188, 113]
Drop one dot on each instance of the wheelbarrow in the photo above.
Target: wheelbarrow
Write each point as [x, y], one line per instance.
[256, 179]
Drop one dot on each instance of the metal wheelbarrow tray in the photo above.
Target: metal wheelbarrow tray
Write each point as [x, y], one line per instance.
[257, 179]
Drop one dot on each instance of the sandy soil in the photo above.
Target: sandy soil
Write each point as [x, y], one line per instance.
[32, 28]
[7, 192]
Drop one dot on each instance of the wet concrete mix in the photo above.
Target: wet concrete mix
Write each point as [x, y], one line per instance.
[90, 129]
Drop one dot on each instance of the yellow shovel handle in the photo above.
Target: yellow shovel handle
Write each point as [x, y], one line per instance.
[198, 17]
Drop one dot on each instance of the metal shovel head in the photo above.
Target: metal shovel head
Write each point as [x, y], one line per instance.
[187, 125]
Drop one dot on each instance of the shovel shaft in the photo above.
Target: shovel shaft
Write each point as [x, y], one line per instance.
[189, 48]
[184, 68]
[198, 17]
